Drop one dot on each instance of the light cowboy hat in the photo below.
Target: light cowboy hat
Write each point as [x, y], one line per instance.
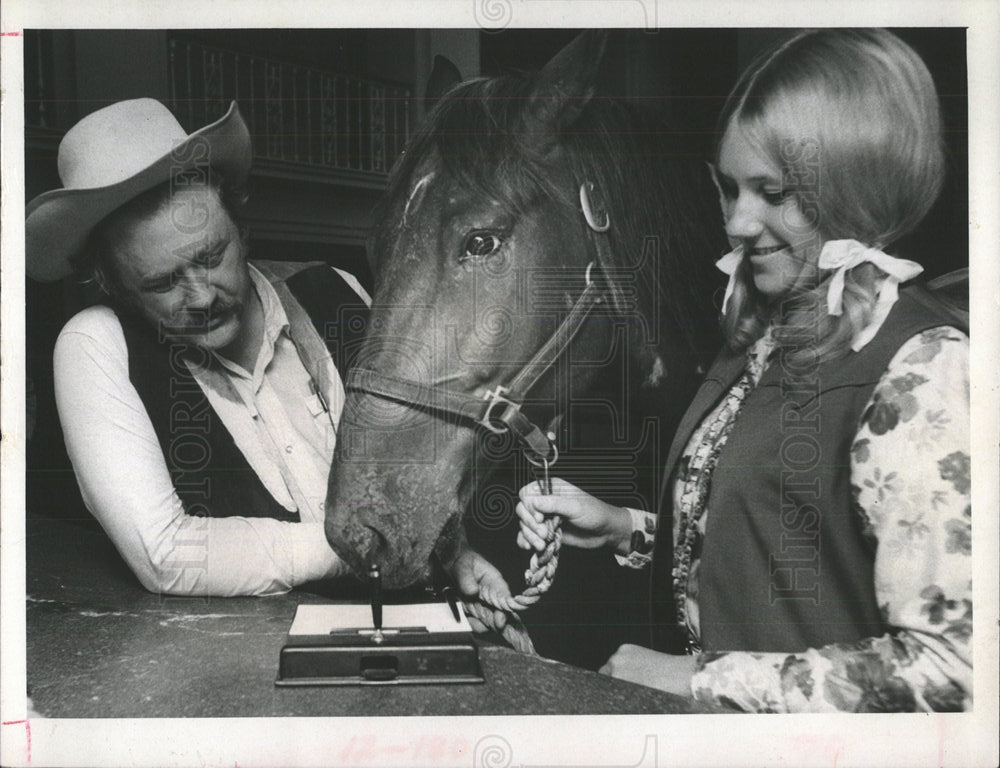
[110, 157]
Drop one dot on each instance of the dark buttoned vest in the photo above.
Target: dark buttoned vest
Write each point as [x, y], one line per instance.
[209, 472]
[785, 564]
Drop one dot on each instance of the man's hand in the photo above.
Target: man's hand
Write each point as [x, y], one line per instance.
[476, 577]
[657, 670]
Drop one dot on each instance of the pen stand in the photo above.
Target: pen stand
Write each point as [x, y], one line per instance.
[419, 644]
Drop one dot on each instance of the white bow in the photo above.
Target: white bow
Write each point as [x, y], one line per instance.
[728, 265]
[842, 255]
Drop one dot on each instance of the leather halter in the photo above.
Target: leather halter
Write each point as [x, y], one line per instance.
[499, 410]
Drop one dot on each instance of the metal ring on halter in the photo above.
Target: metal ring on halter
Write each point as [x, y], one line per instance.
[588, 211]
[544, 461]
[545, 481]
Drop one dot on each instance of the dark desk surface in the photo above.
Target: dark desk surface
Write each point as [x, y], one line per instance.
[99, 645]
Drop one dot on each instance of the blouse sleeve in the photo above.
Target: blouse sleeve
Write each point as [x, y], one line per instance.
[641, 541]
[910, 481]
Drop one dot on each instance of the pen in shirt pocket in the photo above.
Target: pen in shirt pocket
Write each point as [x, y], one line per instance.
[314, 388]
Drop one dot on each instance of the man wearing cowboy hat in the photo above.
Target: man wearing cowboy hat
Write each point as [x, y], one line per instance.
[199, 401]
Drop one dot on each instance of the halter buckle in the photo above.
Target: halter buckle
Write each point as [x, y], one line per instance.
[496, 397]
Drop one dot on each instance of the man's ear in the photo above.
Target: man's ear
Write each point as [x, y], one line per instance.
[244, 232]
[101, 280]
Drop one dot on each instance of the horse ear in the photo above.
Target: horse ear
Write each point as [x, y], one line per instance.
[444, 76]
[562, 89]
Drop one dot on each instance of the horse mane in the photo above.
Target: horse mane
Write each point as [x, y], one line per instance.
[657, 193]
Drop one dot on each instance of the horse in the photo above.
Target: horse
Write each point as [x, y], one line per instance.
[540, 252]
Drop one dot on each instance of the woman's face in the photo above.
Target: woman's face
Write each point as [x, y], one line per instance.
[763, 215]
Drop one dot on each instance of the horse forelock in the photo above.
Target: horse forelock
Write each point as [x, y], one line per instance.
[417, 194]
[471, 140]
[651, 183]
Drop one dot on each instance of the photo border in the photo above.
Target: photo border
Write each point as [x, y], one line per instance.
[802, 740]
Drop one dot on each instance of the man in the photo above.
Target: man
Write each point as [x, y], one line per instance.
[199, 400]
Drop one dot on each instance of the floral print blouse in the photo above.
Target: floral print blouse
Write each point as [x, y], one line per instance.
[910, 479]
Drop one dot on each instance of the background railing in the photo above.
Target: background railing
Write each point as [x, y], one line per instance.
[39, 103]
[297, 114]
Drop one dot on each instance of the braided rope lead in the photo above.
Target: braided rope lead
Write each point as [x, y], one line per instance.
[541, 570]
[514, 631]
[539, 577]
[542, 567]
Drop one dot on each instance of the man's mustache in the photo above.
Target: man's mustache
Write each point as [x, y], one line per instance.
[193, 320]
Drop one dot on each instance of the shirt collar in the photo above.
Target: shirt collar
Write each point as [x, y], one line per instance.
[275, 319]
[275, 323]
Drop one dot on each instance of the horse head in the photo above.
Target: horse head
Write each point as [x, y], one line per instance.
[523, 215]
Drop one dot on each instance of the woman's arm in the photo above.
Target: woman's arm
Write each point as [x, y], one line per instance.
[910, 478]
[126, 485]
[587, 522]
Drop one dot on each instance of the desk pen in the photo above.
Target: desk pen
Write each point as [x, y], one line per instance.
[375, 595]
[442, 585]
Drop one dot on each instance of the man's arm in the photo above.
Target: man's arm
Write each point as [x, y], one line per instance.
[126, 485]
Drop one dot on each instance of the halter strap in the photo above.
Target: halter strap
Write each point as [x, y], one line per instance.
[499, 409]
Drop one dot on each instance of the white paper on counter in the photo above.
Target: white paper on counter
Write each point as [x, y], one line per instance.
[323, 619]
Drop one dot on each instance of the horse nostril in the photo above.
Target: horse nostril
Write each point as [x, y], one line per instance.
[376, 547]
[358, 545]
[394, 558]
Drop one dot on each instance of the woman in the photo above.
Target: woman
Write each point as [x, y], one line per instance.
[819, 483]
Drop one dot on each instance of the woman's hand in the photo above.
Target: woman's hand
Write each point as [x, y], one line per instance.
[587, 523]
[657, 670]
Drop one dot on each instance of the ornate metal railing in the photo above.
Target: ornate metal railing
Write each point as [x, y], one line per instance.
[297, 114]
[39, 106]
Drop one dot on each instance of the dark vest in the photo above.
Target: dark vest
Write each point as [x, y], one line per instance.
[784, 564]
[209, 472]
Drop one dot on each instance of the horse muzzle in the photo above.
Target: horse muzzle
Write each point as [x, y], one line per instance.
[393, 517]
[361, 543]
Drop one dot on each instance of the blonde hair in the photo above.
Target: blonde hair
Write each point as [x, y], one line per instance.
[852, 119]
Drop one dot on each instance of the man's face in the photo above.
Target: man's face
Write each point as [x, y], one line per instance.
[184, 269]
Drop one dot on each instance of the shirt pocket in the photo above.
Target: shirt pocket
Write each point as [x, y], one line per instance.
[322, 421]
[315, 406]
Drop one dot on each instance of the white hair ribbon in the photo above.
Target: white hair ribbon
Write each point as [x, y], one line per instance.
[728, 265]
[842, 255]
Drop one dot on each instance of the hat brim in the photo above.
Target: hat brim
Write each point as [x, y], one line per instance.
[57, 223]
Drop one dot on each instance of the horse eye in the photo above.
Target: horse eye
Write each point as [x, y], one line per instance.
[480, 244]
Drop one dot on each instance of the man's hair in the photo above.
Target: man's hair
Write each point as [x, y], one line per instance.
[851, 118]
[95, 263]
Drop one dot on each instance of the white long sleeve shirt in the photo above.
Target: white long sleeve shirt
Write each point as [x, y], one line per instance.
[278, 422]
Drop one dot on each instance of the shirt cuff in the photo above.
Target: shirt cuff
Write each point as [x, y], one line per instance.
[641, 542]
